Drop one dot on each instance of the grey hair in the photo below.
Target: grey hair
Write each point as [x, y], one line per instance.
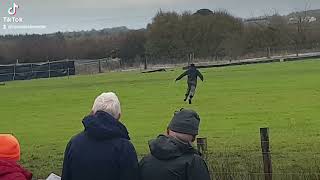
[187, 138]
[107, 102]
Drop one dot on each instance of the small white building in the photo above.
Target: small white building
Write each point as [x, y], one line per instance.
[308, 19]
[312, 19]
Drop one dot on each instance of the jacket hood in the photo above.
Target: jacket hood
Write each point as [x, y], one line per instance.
[164, 148]
[102, 126]
[11, 167]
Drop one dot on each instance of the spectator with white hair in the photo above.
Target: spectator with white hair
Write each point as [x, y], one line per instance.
[103, 149]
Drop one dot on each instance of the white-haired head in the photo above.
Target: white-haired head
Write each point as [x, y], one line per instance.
[107, 102]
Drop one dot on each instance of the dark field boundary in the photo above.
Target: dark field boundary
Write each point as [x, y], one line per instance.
[263, 60]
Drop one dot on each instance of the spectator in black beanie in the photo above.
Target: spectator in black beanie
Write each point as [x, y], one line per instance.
[172, 155]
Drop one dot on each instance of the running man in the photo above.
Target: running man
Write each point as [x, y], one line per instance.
[193, 75]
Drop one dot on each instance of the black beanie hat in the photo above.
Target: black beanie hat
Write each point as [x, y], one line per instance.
[185, 121]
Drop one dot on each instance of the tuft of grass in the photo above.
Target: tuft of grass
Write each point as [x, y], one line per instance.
[233, 103]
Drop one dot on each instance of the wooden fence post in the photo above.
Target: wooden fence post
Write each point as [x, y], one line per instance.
[14, 72]
[32, 69]
[202, 147]
[99, 64]
[145, 63]
[264, 135]
[268, 52]
[15, 69]
[49, 68]
[68, 68]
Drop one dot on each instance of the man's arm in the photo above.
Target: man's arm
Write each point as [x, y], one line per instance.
[129, 163]
[200, 75]
[66, 164]
[182, 75]
[198, 169]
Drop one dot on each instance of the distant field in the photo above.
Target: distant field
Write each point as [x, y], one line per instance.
[233, 103]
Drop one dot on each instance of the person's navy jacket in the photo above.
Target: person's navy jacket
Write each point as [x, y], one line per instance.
[101, 152]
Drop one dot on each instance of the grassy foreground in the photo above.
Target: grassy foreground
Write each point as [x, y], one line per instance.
[233, 103]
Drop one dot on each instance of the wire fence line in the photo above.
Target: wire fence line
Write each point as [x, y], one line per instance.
[28, 71]
[93, 66]
[22, 73]
[266, 162]
[274, 173]
[98, 65]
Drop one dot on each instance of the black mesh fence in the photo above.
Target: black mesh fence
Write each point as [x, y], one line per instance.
[36, 70]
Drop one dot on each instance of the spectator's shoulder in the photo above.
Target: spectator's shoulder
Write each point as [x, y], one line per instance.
[145, 159]
[77, 137]
[126, 143]
[197, 160]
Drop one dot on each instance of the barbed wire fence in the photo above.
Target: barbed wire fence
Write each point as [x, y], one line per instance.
[258, 160]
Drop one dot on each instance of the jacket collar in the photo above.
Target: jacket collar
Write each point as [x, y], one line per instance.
[102, 125]
[9, 167]
[167, 147]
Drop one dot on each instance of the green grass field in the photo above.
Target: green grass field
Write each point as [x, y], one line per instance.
[233, 103]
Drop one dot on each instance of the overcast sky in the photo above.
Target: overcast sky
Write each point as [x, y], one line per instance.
[70, 15]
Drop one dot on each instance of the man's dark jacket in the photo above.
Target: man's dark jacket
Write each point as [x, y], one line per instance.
[193, 75]
[101, 152]
[171, 159]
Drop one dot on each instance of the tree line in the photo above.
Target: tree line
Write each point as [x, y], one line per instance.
[170, 36]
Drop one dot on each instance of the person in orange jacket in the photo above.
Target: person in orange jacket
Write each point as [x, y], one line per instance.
[9, 157]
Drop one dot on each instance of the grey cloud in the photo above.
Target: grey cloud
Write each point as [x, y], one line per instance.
[87, 14]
